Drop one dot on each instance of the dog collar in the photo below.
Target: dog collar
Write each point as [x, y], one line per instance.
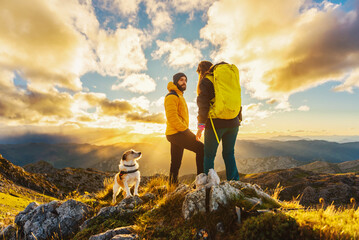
[126, 172]
[129, 165]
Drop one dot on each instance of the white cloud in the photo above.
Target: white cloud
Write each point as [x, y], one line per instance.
[141, 101]
[190, 6]
[300, 45]
[253, 112]
[159, 15]
[138, 83]
[121, 51]
[303, 108]
[180, 52]
[124, 7]
[349, 83]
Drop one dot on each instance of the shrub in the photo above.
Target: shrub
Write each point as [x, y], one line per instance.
[269, 226]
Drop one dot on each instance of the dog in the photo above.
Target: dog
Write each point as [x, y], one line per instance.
[128, 175]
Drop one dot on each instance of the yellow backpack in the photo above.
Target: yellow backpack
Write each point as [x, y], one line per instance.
[227, 101]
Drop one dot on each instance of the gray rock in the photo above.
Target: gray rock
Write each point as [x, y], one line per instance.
[220, 227]
[130, 202]
[9, 233]
[181, 189]
[112, 233]
[221, 195]
[148, 197]
[52, 219]
[194, 202]
[125, 237]
[123, 208]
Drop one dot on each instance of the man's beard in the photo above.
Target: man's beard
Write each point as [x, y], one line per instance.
[182, 89]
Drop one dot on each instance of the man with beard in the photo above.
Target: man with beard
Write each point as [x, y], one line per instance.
[177, 131]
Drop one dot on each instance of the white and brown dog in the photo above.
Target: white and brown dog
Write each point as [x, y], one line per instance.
[129, 174]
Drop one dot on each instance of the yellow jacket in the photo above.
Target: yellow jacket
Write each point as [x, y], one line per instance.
[176, 111]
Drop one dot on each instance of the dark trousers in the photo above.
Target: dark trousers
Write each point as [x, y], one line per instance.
[179, 142]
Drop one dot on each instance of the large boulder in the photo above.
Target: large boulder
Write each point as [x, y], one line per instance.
[124, 208]
[212, 198]
[52, 219]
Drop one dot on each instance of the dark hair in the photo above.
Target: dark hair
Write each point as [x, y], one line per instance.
[177, 77]
[203, 69]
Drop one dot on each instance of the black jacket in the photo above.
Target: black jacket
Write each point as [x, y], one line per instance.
[206, 90]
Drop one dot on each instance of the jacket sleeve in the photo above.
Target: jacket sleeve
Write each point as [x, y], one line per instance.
[171, 106]
[206, 90]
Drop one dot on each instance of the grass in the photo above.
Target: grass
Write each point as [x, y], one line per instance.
[331, 222]
[14, 201]
[161, 217]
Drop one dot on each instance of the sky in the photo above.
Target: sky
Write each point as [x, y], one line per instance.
[97, 71]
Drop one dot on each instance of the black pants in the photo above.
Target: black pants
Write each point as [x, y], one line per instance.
[179, 142]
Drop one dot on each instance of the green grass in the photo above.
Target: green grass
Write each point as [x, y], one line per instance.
[161, 218]
[12, 202]
[330, 223]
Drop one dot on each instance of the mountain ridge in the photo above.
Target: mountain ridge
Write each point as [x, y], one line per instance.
[156, 156]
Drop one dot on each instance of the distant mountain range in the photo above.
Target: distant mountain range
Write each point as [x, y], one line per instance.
[252, 155]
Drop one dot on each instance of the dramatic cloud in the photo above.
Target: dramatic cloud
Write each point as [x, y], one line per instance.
[350, 82]
[124, 7]
[138, 83]
[254, 112]
[298, 46]
[150, 118]
[190, 6]
[31, 34]
[25, 106]
[159, 15]
[180, 53]
[121, 51]
[134, 110]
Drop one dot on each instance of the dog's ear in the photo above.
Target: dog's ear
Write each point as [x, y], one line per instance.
[124, 156]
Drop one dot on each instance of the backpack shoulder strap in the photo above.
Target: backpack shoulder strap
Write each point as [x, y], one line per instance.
[214, 66]
[173, 92]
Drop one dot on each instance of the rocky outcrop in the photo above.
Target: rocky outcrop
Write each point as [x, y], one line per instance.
[25, 179]
[211, 199]
[123, 233]
[124, 208]
[54, 219]
[333, 188]
[70, 179]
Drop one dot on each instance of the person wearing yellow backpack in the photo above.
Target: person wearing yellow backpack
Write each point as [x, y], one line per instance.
[219, 113]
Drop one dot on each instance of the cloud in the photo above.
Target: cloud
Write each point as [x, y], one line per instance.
[32, 34]
[149, 118]
[190, 6]
[301, 45]
[138, 83]
[349, 83]
[253, 112]
[121, 51]
[303, 108]
[68, 38]
[124, 7]
[180, 52]
[159, 15]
